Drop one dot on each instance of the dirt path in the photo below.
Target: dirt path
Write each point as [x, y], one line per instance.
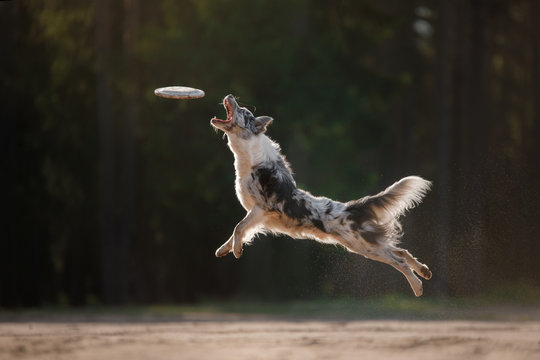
[272, 339]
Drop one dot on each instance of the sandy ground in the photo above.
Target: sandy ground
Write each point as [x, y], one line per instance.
[245, 338]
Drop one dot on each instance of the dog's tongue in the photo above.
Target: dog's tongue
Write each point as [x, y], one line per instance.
[220, 120]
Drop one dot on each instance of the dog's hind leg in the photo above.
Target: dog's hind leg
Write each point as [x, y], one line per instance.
[400, 262]
[405, 269]
[398, 258]
[417, 266]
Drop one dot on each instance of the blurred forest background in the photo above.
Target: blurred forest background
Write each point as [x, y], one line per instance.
[112, 195]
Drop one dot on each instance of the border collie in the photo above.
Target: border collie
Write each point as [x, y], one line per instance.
[266, 189]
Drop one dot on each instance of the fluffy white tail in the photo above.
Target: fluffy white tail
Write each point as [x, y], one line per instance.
[399, 197]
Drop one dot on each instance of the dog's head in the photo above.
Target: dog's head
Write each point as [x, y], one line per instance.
[240, 121]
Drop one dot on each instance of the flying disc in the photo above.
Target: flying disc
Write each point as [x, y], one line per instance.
[179, 92]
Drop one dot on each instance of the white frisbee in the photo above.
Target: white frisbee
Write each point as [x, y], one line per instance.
[179, 92]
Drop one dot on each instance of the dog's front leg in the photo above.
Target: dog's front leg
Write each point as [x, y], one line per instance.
[225, 248]
[245, 229]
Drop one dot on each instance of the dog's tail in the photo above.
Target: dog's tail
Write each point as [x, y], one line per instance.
[399, 197]
[377, 216]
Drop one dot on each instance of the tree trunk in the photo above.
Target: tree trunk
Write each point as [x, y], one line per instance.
[109, 270]
[444, 141]
[131, 14]
[475, 151]
[533, 265]
[469, 143]
[9, 289]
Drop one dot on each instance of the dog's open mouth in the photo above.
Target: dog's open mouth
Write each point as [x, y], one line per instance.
[229, 114]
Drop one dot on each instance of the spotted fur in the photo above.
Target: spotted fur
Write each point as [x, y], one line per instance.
[266, 189]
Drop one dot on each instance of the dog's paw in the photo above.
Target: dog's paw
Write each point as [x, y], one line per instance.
[238, 252]
[425, 272]
[419, 291]
[222, 251]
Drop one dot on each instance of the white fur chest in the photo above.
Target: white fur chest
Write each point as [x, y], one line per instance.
[247, 154]
[243, 171]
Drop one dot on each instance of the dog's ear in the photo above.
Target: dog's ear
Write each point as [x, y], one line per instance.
[261, 122]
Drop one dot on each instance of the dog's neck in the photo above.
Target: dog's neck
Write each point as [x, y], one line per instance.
[252, 152]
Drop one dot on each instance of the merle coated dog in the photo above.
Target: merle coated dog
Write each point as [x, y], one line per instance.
[266, 189]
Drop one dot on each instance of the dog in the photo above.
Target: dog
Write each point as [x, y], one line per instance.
[266, 189]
